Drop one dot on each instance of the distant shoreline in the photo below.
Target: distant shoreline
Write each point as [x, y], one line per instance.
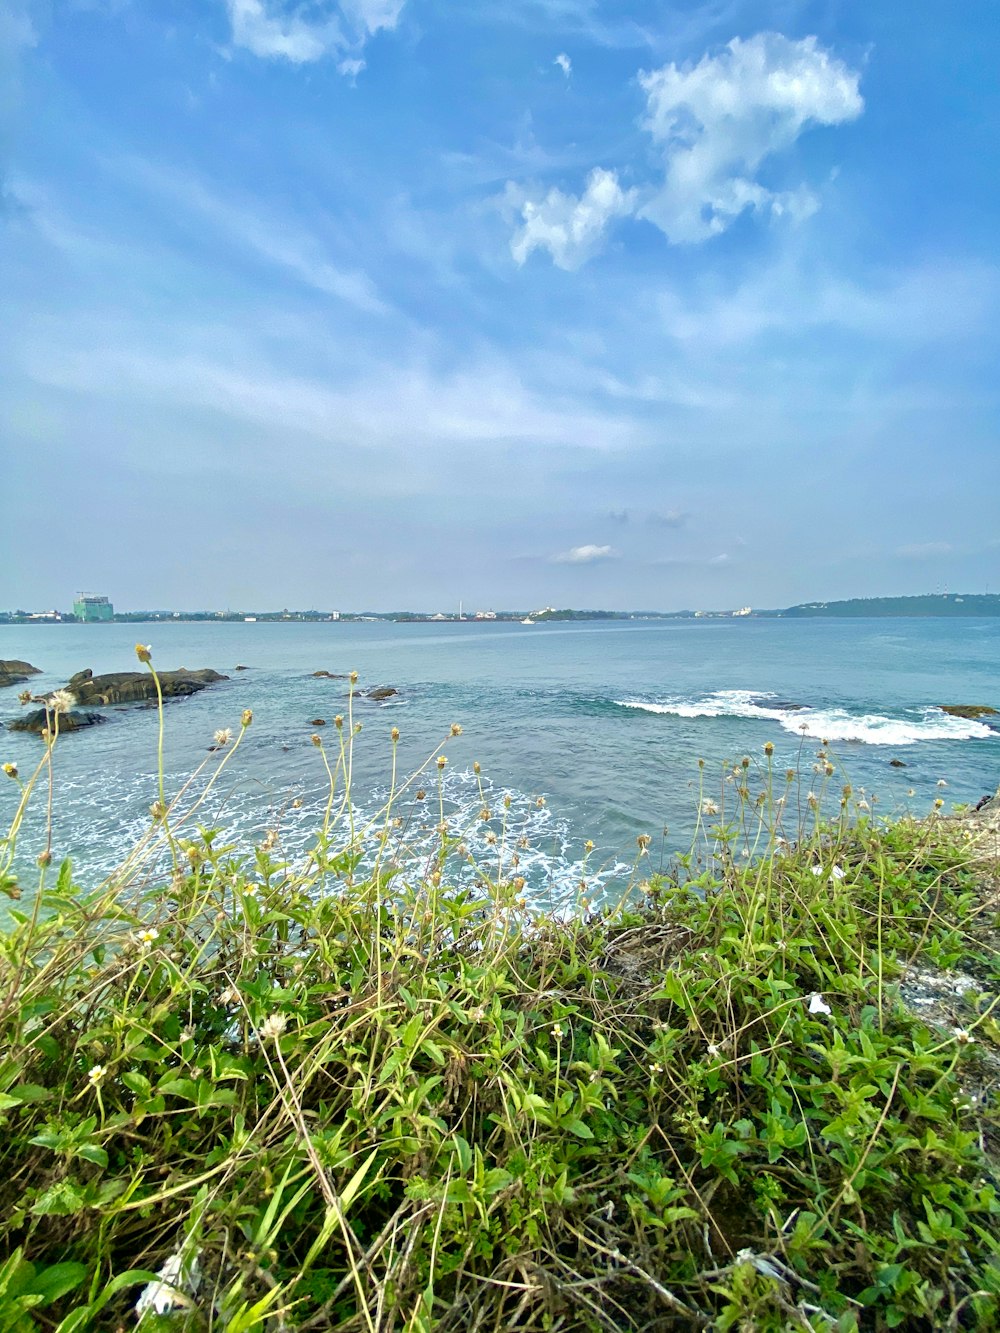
[950, 606]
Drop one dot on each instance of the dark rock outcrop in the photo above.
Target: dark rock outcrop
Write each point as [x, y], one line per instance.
[330, 675]
[37, 720]
[381, 692]
[125, 687]
[318, 722]
[971, 712]
[15, 672]
[896, 763]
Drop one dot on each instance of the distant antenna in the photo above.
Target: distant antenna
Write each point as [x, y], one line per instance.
[460, 616]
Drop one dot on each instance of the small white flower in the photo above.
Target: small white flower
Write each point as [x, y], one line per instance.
[837, 872]
[816, 870]
[817, 1005]
[964, 1038]
[713, 1050]
[709, 808]
[557, 1031]
[187, 1034]
[272, 1027]
[96, 1074]
[148, 937]
[656, 1067]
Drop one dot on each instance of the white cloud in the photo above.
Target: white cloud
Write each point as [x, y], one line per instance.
[585, 555]
[570, 227]
[715, 123]
[351, 68]
[564, 63]
[277, 31]
[720, 119]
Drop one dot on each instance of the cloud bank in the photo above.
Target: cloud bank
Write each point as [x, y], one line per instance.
[274, 31]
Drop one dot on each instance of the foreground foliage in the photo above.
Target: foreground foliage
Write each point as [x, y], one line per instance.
[405, 1105]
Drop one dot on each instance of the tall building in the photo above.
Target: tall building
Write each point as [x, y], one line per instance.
[88, 607]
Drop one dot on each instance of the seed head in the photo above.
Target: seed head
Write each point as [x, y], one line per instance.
[24, 697]
[247, 717]
[144, 651]
[62, 701]
[442, 760]
[158, 810]
[272, 1027]
[338, 721]
[420, 795]
[476, 768]
[354, 678]
[44, 859]
[394, 735]
[709, 808]
[643, 841]
[316, 740]
[588, 846]
[769, 747]
[223, 737]
[10, 770]
[456, 730]
[540, 802]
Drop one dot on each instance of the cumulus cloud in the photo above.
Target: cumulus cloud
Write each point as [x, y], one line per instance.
[277, 31]
[571, 227]
[719, 120]
[564, 63]
[585, 555]
[714, 124]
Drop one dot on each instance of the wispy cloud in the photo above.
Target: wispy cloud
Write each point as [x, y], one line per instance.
[670, 518]
[923, 550]
[564, 63]
[585, 555]
[278, 240]
[276, 31]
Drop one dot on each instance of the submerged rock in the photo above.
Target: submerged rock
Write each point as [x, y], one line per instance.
[330, 675]
[15, 672]
[896, 763]
[318, 722]
[971, 712]
[37, 720]
[123, 687]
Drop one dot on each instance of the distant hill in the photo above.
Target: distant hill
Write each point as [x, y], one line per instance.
[927, 604]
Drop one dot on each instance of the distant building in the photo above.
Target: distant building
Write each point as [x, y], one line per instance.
[89, 607]
[486, 615]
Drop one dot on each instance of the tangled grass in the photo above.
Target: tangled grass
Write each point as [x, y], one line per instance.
[349, 1095]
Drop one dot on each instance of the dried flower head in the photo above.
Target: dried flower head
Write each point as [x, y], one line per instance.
[223, 737]
[316, 739]
[272, 1027]
[588, 846]
[62, 701]
[247, 717]
[709, 807]
[24, 697]
[442, 759]
[44, 859]
[394, 735]
[338, 721]
[769, 747]
[353, 678]
[143, 651]
[540, 802]
[10, 770]
[643, 841]
[420, 794]
[476, 768]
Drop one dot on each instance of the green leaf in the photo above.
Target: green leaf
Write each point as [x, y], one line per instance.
[578, 1128]
[56, 1281]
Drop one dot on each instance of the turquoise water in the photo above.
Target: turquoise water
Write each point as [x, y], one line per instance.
[605, 722]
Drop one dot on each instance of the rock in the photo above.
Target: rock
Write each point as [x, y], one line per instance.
[381, 692]
[330, 675]
[241, 668]
[36, 721]
[15, 672]
[123, 687]
[79, 678]
[896, 763]
[971, 712]
[318, 722]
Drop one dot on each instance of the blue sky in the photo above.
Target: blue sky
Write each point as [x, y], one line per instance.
[386, 303]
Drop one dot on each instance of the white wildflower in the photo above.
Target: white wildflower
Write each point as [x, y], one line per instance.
[176, 1281]
[656, 1067]
[224, 736]
[713, 1050]
[817, 1005]
[964, 1038]
[62, 701]
[709, 808]
[557, 1031]
[272, 1027]
[229, 996]
[148, 937]
[837, 872]
[96, 1074]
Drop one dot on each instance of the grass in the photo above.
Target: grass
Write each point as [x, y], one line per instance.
[345, 1094]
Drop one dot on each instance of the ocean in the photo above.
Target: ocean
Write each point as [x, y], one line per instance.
[582, 731]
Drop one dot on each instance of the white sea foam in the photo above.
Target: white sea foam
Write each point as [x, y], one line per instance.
[832, 724]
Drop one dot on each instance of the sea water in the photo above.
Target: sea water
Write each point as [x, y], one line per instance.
[582, 730]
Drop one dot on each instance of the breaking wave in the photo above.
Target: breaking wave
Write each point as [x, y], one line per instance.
[832, 724]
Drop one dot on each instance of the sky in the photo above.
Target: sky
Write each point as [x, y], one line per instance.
[374, 304]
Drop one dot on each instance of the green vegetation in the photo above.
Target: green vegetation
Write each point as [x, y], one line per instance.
[927, 604]
[345, 1094]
